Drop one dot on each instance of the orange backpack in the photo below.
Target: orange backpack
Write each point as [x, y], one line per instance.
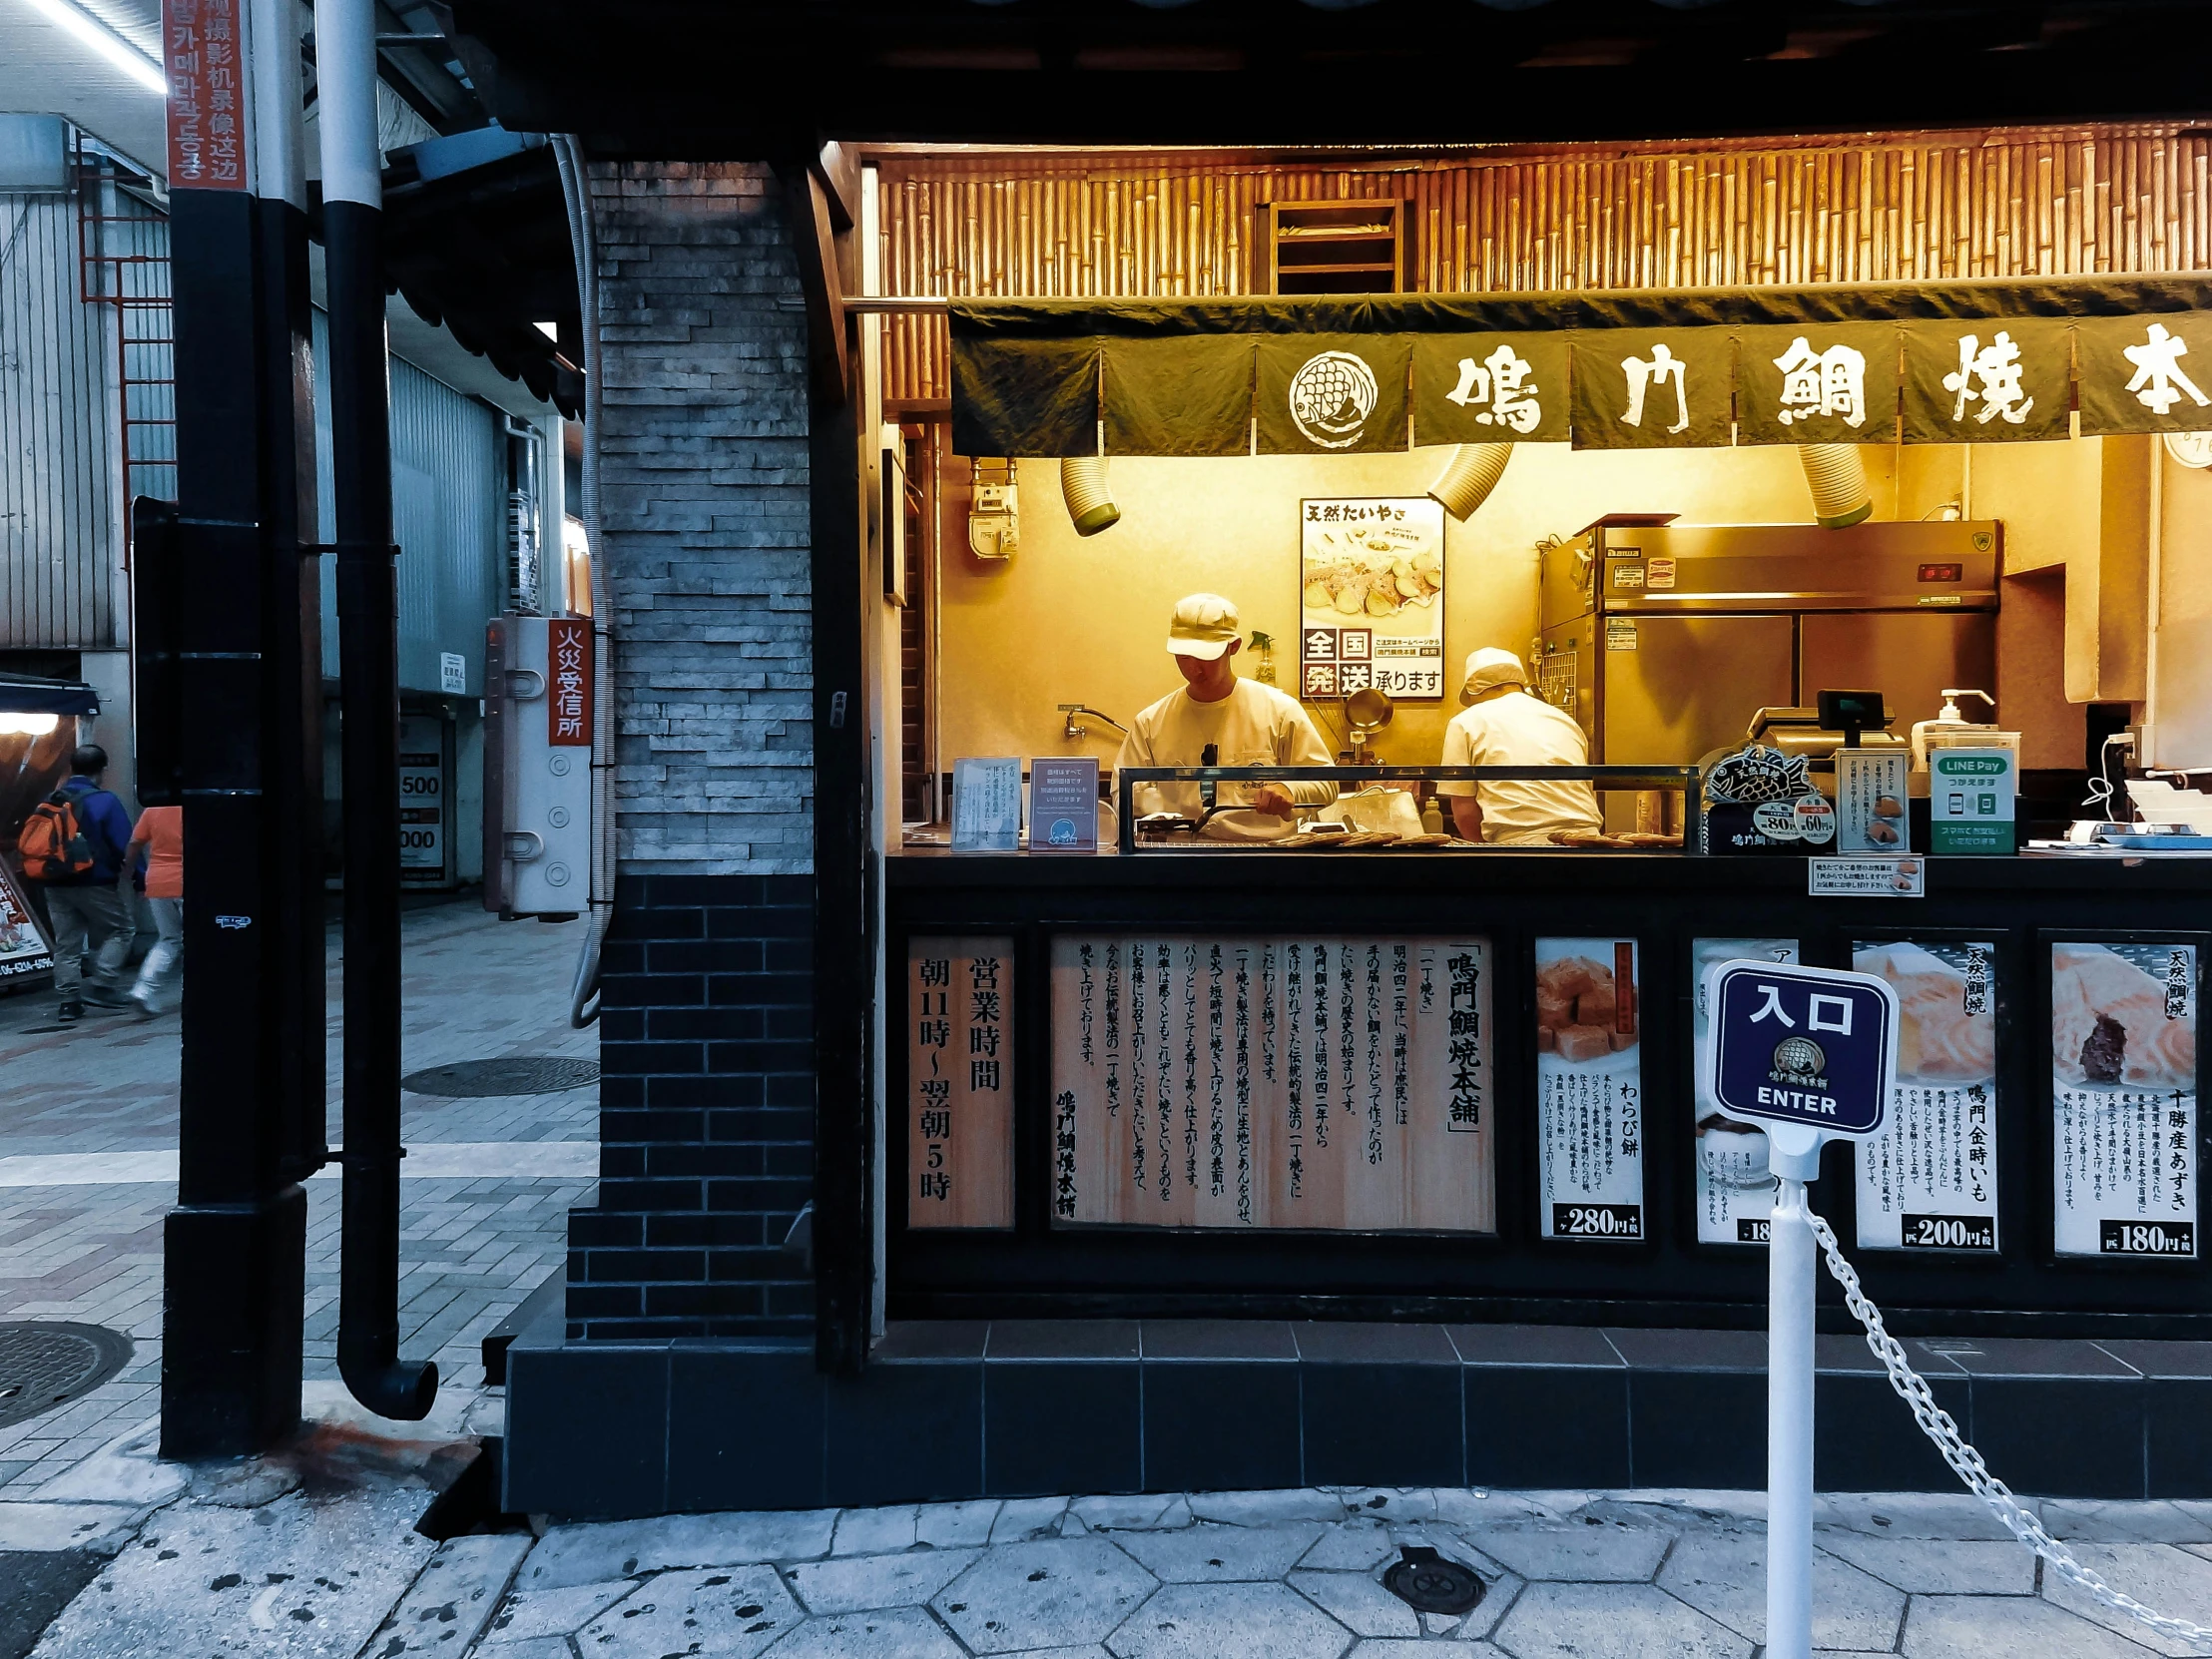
[54, 845]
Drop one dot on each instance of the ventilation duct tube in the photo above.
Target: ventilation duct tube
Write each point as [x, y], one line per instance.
[1083, 486]
[1838, 476]
[1470, 477]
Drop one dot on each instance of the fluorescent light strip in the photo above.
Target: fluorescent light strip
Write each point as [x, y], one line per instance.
[105, 42]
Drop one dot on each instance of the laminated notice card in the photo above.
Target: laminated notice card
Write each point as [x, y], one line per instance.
[1589, 1089]
[1870, 801]
[1734, 1188]
[986, 803]
[1312, 1082]
[2123, 1038]
[1928, 1181]
[1371, 612]
[960, 1082]
[1064, 804]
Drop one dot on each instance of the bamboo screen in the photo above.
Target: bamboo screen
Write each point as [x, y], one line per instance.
[2083, 202]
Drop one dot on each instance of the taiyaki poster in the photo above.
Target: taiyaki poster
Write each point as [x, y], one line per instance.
[2123, 1038]
[1928, 1181]
[1734, 1188]
[1589, 1089]
[1371, 597]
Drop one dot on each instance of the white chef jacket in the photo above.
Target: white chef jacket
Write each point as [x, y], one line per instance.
[1254, 726]
[1517, 730]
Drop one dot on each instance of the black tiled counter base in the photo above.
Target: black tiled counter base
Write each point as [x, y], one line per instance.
[1010, 1408]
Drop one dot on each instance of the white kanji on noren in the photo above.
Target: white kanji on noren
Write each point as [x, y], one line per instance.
[1816, 383]
[1503, 380]
[2159, 383]
[1648, 373]
[1988, 374]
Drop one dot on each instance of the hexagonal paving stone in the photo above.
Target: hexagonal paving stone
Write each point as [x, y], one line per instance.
[1938, 1567]
[1612, 1621]
[875, 1531]
[1911, 1514]
[1356, 1600]
[598, 1550]
[1229, 1621]
[1259, 1508]
[1054, 1590]
[1725, 1574]
[900, 1633]
[1396, 1648]
[2004, 1627]
[532, 1613]
[726, 1612]
[1353, 1546]
[855, 1583]
[2173, 1581]
[1213, 1555]
[2111, 1522]
[1574, 1551]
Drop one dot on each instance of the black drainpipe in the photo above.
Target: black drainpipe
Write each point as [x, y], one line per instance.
[368, 712]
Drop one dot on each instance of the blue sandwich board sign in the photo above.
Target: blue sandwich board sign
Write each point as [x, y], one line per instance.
[1815, 1047]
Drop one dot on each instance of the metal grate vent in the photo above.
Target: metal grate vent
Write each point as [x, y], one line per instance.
[43, 1367]
[515, 1074]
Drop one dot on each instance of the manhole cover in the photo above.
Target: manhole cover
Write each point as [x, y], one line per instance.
[517, 1074]
[1425, 1580]
[45, 1366]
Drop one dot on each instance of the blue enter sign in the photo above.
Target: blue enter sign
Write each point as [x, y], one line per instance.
[1811, 1046]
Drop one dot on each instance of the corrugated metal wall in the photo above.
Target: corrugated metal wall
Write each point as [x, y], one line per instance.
[449, 498]
[1887, 207]
[60, 547]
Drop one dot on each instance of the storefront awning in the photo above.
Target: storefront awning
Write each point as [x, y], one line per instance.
[23, 693]
[1932, 362]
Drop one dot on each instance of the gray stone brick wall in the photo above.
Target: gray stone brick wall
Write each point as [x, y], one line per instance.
[703, 514]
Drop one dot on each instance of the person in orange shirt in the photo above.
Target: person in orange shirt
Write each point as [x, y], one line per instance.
[161, 832]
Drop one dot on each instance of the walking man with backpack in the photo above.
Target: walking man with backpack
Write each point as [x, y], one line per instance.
[75, 845]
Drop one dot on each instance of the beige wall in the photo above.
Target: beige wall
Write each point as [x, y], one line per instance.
[2181, 691]
[1074, 620]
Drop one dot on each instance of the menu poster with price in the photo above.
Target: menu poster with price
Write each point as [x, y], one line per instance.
[1262, 1081]
[2124, 1035]
[1735, 1187]
[1589, 1089]
[22, 947]
[1928, 1181]
[960, 1082]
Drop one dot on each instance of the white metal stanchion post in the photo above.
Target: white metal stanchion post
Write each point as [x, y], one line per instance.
[1791, 1271]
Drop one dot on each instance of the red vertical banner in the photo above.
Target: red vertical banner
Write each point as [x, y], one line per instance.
[568, 710]
[203, 55]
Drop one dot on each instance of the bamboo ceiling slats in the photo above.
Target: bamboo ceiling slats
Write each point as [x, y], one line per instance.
[2083, 202]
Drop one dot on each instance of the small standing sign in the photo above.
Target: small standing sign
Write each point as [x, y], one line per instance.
[1810, 1055]
[986, 803]
[1064, 804]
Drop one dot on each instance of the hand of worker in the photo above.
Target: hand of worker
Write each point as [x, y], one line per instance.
[1273, 800]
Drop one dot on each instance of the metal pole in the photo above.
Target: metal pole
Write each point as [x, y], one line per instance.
[369, 694]
[238, 619]
[1789, 1281]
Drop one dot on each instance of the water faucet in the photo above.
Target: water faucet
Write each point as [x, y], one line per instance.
[1071, 731]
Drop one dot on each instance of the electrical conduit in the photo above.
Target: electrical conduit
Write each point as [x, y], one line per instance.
[568, 155]
[368, 690]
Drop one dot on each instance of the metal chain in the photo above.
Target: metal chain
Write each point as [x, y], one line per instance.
[1938, 1425]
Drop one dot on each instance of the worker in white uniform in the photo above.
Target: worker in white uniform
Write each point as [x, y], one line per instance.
[1503, 726]
[1220, 719]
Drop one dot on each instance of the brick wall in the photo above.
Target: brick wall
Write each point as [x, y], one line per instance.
[703, 509]
[707, 1085]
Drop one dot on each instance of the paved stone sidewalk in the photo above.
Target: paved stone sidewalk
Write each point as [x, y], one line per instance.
[475, 1237]
[313, 1555]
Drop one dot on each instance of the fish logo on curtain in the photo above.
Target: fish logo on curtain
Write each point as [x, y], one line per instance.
[1331, 395]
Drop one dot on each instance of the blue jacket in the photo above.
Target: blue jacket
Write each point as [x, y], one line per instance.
[108, 826]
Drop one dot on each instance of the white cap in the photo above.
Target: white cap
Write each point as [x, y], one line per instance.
[1204, 625]
[1488, 668]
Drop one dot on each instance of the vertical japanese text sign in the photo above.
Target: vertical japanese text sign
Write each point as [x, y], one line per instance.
[203, 55]
[568, 710]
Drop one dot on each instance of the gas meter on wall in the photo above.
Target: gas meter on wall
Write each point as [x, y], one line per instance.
[537, 764]
[995, 527]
